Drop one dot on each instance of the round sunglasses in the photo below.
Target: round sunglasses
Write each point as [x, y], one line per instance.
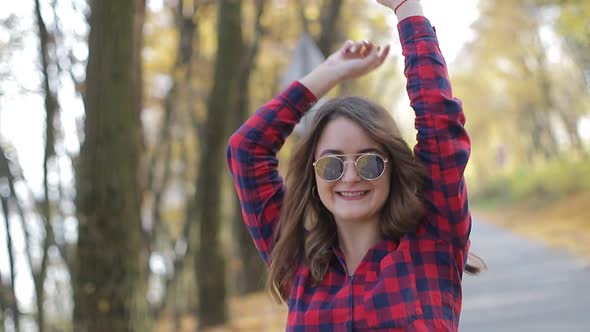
[369, 166]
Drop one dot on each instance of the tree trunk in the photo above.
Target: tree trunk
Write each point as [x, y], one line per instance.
[110, 282]
[570, 121]
[8, 295]
[330, 29]
[10, 249]
[210, 263]
[180, 79]
[181, 75]
[3, 303]
[329, 24]
[51, 108]
[547, 104]
[6, 299]
[251, 269]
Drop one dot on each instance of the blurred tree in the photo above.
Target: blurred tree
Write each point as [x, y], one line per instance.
[331, 31]
[250, 267]
[51, 109]
[160, 178]
[221, 107]
[572, 20]
[572, 25]
[327, 21]
[5, 301]
[8, 293]
[524, 103]
[519, 74]
[109, 285]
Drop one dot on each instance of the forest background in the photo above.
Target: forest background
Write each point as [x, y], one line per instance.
[117, 209]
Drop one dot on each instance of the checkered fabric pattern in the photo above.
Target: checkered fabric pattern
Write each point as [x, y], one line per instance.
[410, 285]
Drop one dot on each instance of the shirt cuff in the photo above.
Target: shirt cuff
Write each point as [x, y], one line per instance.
[299, 97]
[414, 27]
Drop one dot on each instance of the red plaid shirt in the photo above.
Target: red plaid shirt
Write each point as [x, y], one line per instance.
[413, 285]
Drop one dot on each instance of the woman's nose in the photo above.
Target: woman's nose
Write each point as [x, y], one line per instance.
[350, 174]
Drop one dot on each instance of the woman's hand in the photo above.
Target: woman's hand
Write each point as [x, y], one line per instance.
[352, 60]
[355, 59]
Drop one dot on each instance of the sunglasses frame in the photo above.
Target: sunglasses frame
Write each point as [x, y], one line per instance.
[344, 162]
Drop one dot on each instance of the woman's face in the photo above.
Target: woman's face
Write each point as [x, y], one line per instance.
[351, 198]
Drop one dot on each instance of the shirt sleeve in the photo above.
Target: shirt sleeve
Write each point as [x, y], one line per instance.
[253, 164]
[443, 146]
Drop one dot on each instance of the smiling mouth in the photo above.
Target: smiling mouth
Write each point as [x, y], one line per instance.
[352, 194]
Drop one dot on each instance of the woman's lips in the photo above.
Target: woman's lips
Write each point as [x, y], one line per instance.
[352, 195]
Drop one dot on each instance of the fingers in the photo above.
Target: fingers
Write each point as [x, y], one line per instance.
[376, 55]
[347, 46]
[367, 48]
[361, 57]
[383, 55]
[359, 48]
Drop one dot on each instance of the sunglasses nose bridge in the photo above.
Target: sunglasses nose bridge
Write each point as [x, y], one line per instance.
[349, 173]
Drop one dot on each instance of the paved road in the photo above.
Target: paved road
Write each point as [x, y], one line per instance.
[527, 287]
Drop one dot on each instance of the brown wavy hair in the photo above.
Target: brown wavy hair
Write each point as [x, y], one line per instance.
[307, 230]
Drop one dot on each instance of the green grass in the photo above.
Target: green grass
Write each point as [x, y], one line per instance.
[535, 186]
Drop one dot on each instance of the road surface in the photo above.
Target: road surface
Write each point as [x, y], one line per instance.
[527, 286]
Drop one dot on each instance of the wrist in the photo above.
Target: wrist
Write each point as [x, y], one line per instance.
[322, 79]
[408, 8]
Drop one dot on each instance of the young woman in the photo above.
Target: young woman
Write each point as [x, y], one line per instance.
[366, 235]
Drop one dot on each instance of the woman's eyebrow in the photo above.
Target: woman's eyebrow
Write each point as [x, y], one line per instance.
[330, 151]
[370, 150]
[339, 152]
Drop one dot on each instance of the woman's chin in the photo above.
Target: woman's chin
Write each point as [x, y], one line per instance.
[353, 216]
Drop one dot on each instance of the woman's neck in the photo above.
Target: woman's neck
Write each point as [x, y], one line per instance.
[355, 239]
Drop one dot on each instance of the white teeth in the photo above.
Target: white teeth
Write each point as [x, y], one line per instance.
[352, 194]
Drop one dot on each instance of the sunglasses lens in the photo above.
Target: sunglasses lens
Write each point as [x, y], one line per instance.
[370, 166]
[329, 168]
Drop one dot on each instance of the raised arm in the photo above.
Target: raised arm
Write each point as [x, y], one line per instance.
[252, 161]
[443, 144]
[252, 149]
